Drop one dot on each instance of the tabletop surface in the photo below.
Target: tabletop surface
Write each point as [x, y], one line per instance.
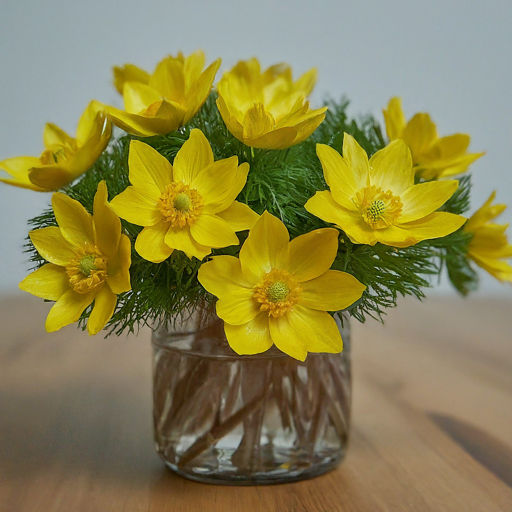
[431, 431]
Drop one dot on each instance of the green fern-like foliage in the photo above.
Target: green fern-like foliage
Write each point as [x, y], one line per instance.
[280, 182]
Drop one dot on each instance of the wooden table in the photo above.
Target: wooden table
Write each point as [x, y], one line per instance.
[432, 422]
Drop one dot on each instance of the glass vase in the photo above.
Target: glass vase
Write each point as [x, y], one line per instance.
[245, 420]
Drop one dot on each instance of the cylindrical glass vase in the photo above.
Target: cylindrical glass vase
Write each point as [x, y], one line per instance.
[246, 420]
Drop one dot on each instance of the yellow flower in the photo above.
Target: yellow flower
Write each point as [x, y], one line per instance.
[89, 260]
[433, 157]
[278, 292]
[190, 207]
[64, 158]
[489, 245]
[267, 110]
[377, 201]
[162, 102]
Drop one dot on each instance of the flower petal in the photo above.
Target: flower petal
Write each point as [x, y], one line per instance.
[423, 199]
[74, 221]
[150, 243]
[68, 309]
[19, 168]
[239, 216]
[312, 254]
[222, 276]
[200, 90]
[332, 291]
[338, 175]
[215, 182]
[264, 247]
[119, 267]
[391, 168]
[54, 136]
[104, 307]
[50, 282]
[138, 97]
[150, 172]
[394, 118]
[182, 240]
[107, 225]
[238, 307]
[304, 330]
[212, 231]
[435, 225]
[136, 208]
[357, 160]
[323, 206]
[395, 236]
[419, 134]
[193, 157]
[169, 79]
[52, 246]
[250, 338]
[50, 177]
[281, 138]
[128, 73]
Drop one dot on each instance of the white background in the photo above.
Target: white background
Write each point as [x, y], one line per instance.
[451, 58]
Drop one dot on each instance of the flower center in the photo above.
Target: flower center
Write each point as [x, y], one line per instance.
[277, 292]
[379, 209]
[180, 204]
[88, 271]
[56, 154]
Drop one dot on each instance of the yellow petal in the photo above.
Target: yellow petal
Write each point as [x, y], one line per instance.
[19, 168]
[419, 134]
[193, 157]
[323, 206]
[238, 307]
[230, 120]
[435, 225]
[306, 82]
[193, 67]
[216, 181]
[391, 168]
[257, 122]
[119, 267]
[92, 123]
[50, 177]
[304, 330]
[223, 276]
[264, 247]
[52, 246]
[53, 135]
[182, 240]
[74, 221]
[138, 97]
[128, 73]
[332, 291]
[357, 160]
[250, 338]
[150, 243]
[394, 118]
[136, 208]
[143, 126]
[150, 172]
[239, 216]
[308, 126]
[312, 254]
[68, 309]
[338, 175]
[501, 270]
[280, 138]
[485, 213]
[212, 231]
[169, 79]
[104, 307]
[423, 199]
[106, 223]
[395, 236]
[200, 90]
[49, 282]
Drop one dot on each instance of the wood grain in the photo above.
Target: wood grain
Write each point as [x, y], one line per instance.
[432, 422]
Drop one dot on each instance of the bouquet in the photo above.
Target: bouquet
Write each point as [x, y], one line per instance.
[246, 201]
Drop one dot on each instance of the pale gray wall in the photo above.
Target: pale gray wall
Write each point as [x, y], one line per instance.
[450, 58]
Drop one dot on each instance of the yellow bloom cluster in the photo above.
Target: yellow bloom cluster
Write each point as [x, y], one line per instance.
[277, 292]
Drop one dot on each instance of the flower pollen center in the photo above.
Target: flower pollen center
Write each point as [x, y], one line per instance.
[379, 209]
[180, 204]
[88, 270]
[277, 292]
